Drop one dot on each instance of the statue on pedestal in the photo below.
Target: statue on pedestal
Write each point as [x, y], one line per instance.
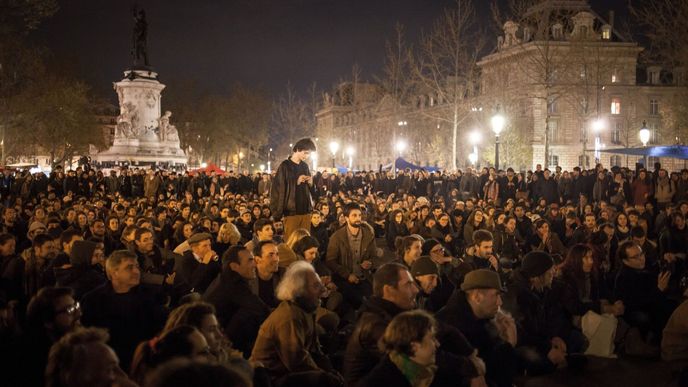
[167, 131]
[126, 122]
[139, 51]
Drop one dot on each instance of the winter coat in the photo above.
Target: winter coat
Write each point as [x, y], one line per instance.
[362, 351]
[547, 188]
[151, 185]
[641, 191]
[283, 191]
[194, 274]
[482, 334]
[573, 297]
[540, 313]
[339, 254]
[286, 341]
[129, 317]
[664, 190]
[239, 310]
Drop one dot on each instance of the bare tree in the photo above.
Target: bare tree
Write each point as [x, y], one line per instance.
[446, 66]
[665, 23]
[397, 83]
[536, 32]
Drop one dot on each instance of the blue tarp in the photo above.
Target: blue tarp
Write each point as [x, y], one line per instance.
[403, 164]
[671, 151]
[342, 169]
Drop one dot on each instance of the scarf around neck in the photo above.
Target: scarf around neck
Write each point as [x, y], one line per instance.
[416, 374]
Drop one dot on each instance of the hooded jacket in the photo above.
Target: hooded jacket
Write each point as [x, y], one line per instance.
[80, 274]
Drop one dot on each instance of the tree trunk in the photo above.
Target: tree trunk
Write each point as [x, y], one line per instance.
[455, 129]
[547, 142]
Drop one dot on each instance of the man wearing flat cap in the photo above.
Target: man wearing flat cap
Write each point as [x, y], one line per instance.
[547, 333]
[474, 309]
[199, 265]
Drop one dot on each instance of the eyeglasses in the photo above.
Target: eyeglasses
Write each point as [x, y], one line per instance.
[70, 310]
[439, 250]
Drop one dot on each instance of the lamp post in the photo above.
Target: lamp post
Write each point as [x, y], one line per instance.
[399, 148]
[474, 138]
[473, 158]
[269, 160]
[334, 147]
[644, 135]
[314, 157]
[597, 127]
[497, 122]
[350, 152]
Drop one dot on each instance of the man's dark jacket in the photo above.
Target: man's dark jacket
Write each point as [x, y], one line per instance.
[482, 334]
[194, 274]
[283, 192]
[362, 351]
[239, 310]
[130, 317]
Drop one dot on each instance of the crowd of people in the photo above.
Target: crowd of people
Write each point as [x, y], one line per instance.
[137, 277]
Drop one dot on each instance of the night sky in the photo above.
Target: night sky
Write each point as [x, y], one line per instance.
[260, 43]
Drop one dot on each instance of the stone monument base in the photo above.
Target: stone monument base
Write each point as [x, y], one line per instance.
[143, 136]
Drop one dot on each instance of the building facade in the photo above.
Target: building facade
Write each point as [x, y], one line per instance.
[568, 83]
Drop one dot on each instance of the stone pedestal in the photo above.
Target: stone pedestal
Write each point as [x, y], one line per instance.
[143, 135]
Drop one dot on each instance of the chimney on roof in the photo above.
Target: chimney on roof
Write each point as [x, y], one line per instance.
[611, 19]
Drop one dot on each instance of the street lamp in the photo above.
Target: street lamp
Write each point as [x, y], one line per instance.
[497, 122]
[350, 152]
[334, 147]
[399, 148]
[474, 138]
[269, 160]
[597, 127]
[644, 135]
[473, 158]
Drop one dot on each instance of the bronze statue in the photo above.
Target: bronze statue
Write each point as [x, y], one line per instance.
[138, 50]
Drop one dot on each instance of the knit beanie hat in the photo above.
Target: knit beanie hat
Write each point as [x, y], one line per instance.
[424, 266]
[536, 263]
[428, 245]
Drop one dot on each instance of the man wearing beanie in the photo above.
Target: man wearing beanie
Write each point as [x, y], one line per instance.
[546, 332]
[426, 274]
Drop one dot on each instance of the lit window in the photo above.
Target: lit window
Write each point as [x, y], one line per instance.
[606, 32]
[616, 106]
[654, 107]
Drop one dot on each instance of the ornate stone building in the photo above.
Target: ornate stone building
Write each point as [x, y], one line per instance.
[568, 83]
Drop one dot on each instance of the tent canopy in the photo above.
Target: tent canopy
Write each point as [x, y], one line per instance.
[670, 151]
[400, 163]
[208, 169]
